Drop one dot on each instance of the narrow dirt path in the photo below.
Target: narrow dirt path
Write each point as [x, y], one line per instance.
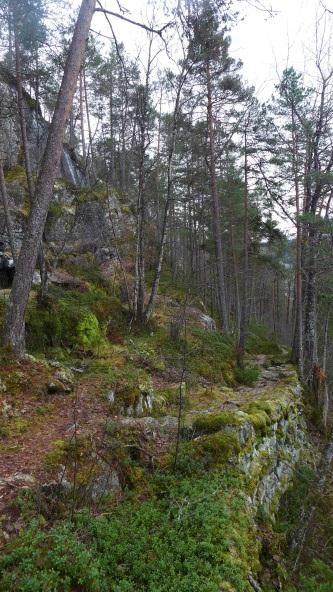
[22, 455]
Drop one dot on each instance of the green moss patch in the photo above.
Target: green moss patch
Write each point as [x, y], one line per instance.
[211, 356]
[215, 449]
[69, 319]
[213, 422]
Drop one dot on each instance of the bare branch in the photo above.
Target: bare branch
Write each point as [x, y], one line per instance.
[141, 25]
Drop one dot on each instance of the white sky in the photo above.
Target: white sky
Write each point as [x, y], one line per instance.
[265, 45]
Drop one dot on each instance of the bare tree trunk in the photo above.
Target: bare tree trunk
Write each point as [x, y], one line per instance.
[9, 224]
[112, 147]
[325, 395]
[143, 125]
[311, 347]
[83, 136]
[244, 317]
[91, 148]
[71, 131]
[299, 291]
[21, 110]
[25, 143]
[139, 293]
[216, 209]
[45, 182]
[236, 274]
[158, 170]
[154, 290]
[122, 150]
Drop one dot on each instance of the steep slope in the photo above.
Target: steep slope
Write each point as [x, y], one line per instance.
[151, 437]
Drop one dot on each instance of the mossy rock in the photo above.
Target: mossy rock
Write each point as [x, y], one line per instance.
[67, 319]
[215, 449]
[259, 418]
[208, 423]
[56, 456]
[264, 413]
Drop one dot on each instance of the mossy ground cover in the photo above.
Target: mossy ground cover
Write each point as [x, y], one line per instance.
[185, 531]
[191, 535]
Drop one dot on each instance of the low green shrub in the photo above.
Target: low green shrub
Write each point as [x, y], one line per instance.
[247, 375]
[88, 332]
[194, 535]
[320, 579]
[260, 341]
[210, 354]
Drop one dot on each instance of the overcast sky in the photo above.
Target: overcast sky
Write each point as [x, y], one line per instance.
[265, 44]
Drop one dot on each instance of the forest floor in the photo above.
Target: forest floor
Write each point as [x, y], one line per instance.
[112, 408]
[33, 421]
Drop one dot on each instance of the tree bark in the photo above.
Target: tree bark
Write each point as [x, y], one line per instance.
[299, 288]
[310, 332]
[244, 315]
[236, 274]
[21, 110]
[83, 136]
[48, 172]
[144, 141]
[158, 272]
[216, 209]
[325, 393]
[90, 136]
[8, 219]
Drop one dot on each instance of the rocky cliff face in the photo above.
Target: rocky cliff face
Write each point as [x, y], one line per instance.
[270, 431]
[71, 172]
[37, 129]
[261, 432]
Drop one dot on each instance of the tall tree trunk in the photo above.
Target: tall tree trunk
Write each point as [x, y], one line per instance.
[72, 140]
[25, 144]
[325, 394]
[111, 138]
[157, 277]
[91, 148]
[122, 151]
[299, 287]
[244, 316]
[216, 209]
[143, 126]
[310, 330]
[236, 275]
[8, 219]
[83, 135]
[45, 182]
[22, 118]
[139, 294]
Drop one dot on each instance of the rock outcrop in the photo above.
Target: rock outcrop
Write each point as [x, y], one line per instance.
[269, 433]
